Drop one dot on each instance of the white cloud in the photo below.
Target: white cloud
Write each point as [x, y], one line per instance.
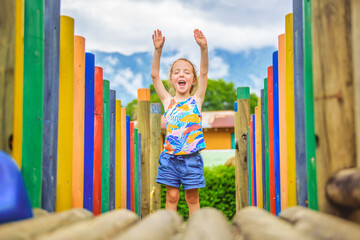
[257, 83]
[112, 60]
[127, 80]
[217, 68]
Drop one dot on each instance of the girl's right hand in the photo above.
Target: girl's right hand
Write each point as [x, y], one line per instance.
[158, 39]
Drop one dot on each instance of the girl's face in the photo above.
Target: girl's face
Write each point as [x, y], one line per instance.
[182, 77]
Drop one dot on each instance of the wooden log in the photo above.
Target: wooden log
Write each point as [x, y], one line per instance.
[333, 92]
[355, 22]
[33, 228]
[266, 135]
[136, 169]
[309, 109]
[155, 150]
[118, 155]
[105, 184]
[78, 128]
[259, 173]
[51, 104]
[7, 66]
[263, 156]
[33, 98]
[123, 160]
[271, 138]
[161, 225]
[18, 84]
[139, 173]
[132, 168]
[128, 164]
[208, 223]
[104, 226]
[241, 159]
[252, 160]
[343, 188]
[320, 225]
[143, 111]
[254, 223]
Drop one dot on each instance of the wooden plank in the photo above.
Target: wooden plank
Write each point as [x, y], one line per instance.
[355, 21]
[208, 223]
[255, 223]
[241, 158]
[66, 115]
[343, 188]
[161, 225]
[282, 122]
[78, 129]
[143, 110]
[112, 169]
[98, 122]
[155, 150]
[104, 226]
[105, 183]
[271, 139]
[320, 225]
[300, 147]
[7, 81]
[18, 84]
[276, 132]
[263, 148]
[266, 133]
[33, 87]
[118, 156]
[89, 131]
[123, 167]
[35, 227]
[309, 108]
[333, 92]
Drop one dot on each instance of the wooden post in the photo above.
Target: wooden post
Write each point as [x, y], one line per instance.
[271, 138]
[105, 182]
[241, 161]
[123, 158]
[266, 135]
[262, 96]
[309, 109]
[7, 63]
[33, 99]
[248, 157]
[18, 77]
[300, 147]
[132, 168]
[155, 150]
[333, 92]
[78, 130]
[253, 160]
[66, 115]
[128, 164]
[258, 155]
[355, 19]
[139, 173]
[118, 155]
[112, 150]
[136, 169]
[143, 110]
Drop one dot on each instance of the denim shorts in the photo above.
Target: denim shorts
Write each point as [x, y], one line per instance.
[181, 169]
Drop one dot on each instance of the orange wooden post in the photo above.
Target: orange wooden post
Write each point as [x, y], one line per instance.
[98, 139]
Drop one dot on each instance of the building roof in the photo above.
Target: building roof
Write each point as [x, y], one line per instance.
[213, 119]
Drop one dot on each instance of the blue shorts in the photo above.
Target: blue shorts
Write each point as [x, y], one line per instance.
[181, 169]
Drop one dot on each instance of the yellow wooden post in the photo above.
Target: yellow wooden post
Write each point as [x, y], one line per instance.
[118, 153]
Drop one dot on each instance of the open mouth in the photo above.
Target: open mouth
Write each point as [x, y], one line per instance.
[182, 83]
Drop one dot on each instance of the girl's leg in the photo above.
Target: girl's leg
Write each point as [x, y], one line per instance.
[172, 198]
[192, 200]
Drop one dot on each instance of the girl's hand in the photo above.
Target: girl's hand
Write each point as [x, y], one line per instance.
[158, 39]
[200, 38]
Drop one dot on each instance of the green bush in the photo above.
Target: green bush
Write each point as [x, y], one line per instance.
[219, 192]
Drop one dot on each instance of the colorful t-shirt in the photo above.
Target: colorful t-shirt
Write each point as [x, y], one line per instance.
[184, 134]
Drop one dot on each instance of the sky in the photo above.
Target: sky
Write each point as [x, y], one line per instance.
[126, 26]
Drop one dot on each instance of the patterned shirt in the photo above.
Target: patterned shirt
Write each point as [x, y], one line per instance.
[184, 133]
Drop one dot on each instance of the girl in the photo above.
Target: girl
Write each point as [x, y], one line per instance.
[181, 162]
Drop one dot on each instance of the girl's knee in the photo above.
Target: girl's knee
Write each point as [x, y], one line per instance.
[192, 196]
[172, 195]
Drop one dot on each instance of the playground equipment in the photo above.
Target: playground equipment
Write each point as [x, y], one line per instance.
[299, 148]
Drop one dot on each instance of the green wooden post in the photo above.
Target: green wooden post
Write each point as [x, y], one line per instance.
[267, 174]
[309, 110]
[136, 152]
[105, 185]
[33, 99]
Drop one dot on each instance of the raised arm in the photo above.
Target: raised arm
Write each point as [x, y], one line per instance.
[158, 41]
[204, 66]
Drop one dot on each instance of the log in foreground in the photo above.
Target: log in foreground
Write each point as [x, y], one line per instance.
[163, 224]
[104, 226]
[32, 228]
[343, 188]
[254, 223]
[208, 223]
[320, 225]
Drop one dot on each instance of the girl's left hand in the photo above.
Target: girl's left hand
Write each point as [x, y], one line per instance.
[200, 38]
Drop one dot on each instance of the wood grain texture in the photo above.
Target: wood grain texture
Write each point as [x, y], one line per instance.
[333, 92]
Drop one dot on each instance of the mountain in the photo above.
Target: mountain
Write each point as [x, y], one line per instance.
[129, 73]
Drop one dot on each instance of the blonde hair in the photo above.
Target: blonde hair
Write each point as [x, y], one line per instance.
[193, 88]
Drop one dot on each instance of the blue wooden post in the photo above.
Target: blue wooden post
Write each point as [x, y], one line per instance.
[89, 130]
[254, 159]
[112, 150]
[299, 92]
[51, 104]
[128, 165]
